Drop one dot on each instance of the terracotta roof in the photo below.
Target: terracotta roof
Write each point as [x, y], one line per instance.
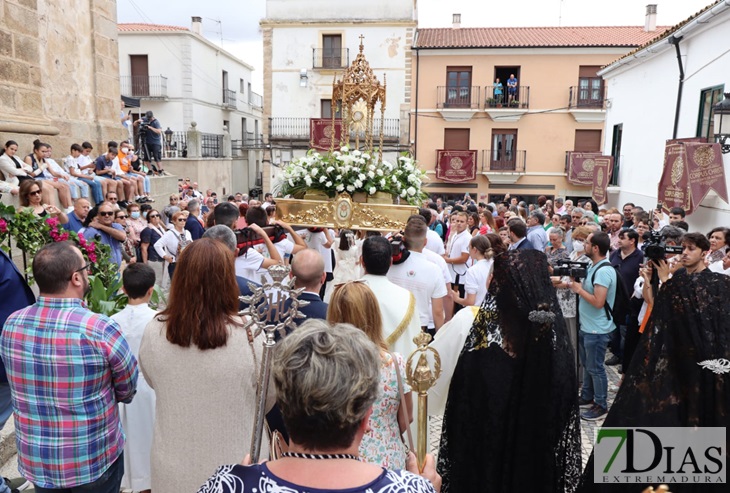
[139, 27]
[667, 32]
[535, 37]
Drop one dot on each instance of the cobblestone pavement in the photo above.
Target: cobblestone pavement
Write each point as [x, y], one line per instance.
[588, 429]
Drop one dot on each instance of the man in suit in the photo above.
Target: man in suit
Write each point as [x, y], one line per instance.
[518, 235]
[307, 268]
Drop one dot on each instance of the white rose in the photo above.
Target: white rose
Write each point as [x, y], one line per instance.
[308, 181]
[322, 179]
[394, 179]
[411, 191]
[344, 149]
[330, 169]
[380, 172]
[358, 183]
[356, 152]
[366, 155]
[403, 194]
[338, 177]
[291, 182]
[371, 174]
[408, 167]
[315, 171]
[382, 183]
[329, 184]
[361, 176]
[350, 188]
[372, 190]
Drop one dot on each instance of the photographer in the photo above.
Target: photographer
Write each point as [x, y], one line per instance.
[150, 133]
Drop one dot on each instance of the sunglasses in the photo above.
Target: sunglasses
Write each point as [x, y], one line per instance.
[110, 213]
[181, 220]
[153, 216]
[122, 217]
[35, 192]
[112, 199]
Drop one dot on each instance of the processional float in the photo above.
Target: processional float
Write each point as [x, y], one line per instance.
[366, 197]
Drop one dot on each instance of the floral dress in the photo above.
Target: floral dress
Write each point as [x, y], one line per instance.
[382, 445]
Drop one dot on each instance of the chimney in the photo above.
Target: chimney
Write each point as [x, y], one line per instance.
[456, 19]
[197, 26]
[650, 21]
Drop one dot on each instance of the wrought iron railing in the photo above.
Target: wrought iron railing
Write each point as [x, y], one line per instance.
[250, 141]
[229, 98]
[298, 128]
[504, 160]
[501, 97]
[140, 86]
[255, 100]
[329, 58]
[588, 97]
[178, 146]
[458, 97]
[211, 145]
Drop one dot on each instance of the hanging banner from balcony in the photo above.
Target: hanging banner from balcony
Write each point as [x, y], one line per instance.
[580, 167]
[691, 170]
[602, 169]
[456, 166]
[322, 133]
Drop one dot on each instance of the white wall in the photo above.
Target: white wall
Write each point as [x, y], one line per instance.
[318, 9]
[292, 51]
[643, 96]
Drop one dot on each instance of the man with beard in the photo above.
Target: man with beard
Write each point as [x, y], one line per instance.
[68, 370]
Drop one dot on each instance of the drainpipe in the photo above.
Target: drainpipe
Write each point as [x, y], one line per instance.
[415, 118]
[673, 40]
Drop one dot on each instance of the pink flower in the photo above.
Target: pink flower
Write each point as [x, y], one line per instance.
[90, 247]
[52, 222]
[63, 237]
[92, 257]
[3, 226]
[82, 241]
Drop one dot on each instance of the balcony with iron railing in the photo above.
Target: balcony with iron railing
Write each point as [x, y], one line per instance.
[587, 104]
[144, 87]
[284, 128]
[457, 103]
[255, 100]
[504, 166]
[327, 58]
[229, 98]
[501, 97]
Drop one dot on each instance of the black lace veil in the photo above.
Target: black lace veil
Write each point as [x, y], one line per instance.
[665, 385]
[511, 419]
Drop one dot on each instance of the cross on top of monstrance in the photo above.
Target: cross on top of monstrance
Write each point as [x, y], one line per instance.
[357, 94]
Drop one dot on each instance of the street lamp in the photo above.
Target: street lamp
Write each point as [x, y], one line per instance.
[721, 123]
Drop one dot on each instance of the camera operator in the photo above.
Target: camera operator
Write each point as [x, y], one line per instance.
[150, 132]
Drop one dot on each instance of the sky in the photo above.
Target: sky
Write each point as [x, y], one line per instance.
[235, 25]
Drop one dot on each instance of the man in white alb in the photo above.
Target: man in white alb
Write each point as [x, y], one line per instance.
[401, 322]
[420, 277]
[457, 253]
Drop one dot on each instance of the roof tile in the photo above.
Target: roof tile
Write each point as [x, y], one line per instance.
[140, 27]
[537, 37]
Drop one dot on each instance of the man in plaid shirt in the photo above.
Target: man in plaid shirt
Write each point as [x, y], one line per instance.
[68, 369]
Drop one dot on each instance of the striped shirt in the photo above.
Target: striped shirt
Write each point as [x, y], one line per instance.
[68, 368]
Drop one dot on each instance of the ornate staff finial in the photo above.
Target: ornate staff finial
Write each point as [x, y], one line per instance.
[362, 46]
[421, 379]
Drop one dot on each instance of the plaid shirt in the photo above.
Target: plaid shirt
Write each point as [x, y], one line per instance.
[68, 368]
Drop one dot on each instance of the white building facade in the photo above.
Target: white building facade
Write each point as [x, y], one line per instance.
[308, 44]
[184, 78]
[643, 89]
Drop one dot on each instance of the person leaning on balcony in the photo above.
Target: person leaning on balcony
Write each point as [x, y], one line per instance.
[498, 91]
[512, 88]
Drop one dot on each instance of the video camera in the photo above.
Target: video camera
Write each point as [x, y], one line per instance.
[576, 270]
[655, 248]
[247, 238]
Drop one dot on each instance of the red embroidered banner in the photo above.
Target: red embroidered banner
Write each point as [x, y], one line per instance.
[456, 166]
[692, 168]
[322, 133]
[580, 167]
[602, 169]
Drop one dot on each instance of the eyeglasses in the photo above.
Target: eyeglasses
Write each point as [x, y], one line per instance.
[86, 268]
[35, 192]
[112, 199]
[110, 213]
[122, 217]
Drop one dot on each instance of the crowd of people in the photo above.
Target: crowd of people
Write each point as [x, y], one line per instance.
[524, 301]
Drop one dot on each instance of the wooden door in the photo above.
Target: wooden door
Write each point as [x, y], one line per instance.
[140, 75]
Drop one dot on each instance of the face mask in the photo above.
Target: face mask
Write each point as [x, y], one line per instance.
[143, 215]
[135, 215]
[129, 151]
[578, 246]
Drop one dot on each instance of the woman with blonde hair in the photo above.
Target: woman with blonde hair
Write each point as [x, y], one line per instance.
[173, 241]
[477, 277]
[202, 364]
[354, 303]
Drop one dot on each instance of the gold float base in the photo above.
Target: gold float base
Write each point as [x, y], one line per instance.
[341, 212]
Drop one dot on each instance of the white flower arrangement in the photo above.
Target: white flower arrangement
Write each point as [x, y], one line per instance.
[355, 172]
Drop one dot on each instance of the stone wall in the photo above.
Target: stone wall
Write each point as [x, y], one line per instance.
[59, 76]
[218, 174]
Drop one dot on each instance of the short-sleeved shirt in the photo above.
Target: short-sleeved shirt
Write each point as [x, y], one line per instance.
[102, 163]
[74, 223]
[476, 280]
[248, 263]
[316, 241]
[116, 245]
[594, 320]
[422, 278]
[150, 236]
[457, 245]
[153, 137]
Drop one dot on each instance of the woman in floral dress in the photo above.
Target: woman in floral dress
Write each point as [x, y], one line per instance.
[354, 303]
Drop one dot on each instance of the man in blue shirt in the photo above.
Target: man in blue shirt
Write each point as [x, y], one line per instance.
[536, 231]
[512, 88]
[595, 325]
[111, 233]
[151, 130]
[104, 168]
[78, 215]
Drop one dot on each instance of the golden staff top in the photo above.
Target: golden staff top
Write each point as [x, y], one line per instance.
[421, 380]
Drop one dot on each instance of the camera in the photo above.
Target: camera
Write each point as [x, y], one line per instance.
[655, 248]
[576, 270]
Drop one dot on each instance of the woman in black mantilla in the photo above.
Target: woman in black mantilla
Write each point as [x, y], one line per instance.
[511, 420]
[680, 373]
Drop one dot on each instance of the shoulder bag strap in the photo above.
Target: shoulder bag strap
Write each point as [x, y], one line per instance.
[600, 266]
[402, 407]
[398, 332]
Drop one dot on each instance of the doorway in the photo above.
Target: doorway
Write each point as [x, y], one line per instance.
[503, 155]
[503, 74]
